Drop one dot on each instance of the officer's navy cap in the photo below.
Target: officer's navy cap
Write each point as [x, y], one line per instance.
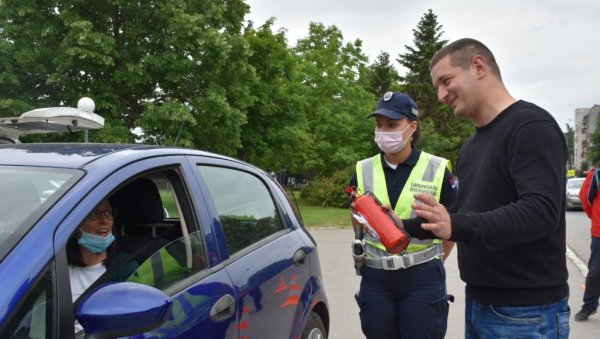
[395, 105]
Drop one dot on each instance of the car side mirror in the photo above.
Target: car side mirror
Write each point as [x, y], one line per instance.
[122, 309]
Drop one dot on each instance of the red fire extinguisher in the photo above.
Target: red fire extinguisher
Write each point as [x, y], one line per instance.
[392, 235]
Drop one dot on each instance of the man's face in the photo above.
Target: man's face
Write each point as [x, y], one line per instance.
[454, 87]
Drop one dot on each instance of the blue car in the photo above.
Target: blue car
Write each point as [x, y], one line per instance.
[207, 246]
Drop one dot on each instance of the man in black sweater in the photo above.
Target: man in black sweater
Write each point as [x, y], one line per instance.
[509, 220]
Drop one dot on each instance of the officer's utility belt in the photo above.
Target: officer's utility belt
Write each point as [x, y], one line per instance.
[396, 262]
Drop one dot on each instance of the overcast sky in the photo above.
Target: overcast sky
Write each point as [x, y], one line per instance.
[548, 51]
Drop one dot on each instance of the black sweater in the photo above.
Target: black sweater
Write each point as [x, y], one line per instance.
[509, 220]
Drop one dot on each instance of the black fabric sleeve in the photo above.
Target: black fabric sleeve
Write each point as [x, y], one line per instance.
[535, 163]
[413, 228]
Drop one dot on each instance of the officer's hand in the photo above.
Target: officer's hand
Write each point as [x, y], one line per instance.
[439, 220]
[388, 208]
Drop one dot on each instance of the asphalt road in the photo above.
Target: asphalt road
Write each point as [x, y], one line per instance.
[341, 282]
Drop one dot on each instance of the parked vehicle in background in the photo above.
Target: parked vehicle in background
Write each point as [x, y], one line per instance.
[573, 187]
[246, 266]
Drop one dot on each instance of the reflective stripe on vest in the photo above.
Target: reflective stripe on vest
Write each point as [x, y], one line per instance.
[427, 176]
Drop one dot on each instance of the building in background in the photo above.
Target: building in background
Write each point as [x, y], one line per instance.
[586, 121]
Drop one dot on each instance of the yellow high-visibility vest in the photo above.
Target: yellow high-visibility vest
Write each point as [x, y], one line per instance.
[427, 176]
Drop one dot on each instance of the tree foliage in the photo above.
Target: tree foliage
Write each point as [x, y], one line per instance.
[570, 137]
[154, 65]
[593, 155]
[193, 74]
[276, 132]
[336, 102]
[417, 81]
[441, 133]
[381, 76]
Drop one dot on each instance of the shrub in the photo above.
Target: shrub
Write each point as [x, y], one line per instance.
[329, 191]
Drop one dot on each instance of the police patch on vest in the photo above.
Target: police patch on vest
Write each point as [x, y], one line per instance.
[424, 188]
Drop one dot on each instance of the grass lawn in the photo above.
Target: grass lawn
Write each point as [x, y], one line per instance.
[318, 216]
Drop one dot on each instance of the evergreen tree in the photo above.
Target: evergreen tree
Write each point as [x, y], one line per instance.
[441, 133]
[381, 76]
[417, 81]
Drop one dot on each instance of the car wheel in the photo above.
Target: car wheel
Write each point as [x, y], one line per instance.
[315, 329]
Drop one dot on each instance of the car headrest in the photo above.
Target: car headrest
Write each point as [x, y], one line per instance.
[138, 202]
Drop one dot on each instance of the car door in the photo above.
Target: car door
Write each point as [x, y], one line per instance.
[203, 297]
[263, 255]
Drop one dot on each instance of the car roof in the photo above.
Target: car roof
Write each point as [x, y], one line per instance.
[78, 155]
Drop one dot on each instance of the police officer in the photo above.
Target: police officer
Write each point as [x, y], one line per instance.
[402, 296]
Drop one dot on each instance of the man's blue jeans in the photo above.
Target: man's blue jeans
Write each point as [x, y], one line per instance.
[592, 280]
[523, 322]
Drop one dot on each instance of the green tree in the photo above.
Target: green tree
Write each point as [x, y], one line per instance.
[441, 133]
[381, 76]
[593, 154]
[570, 137]
[276, 133]
[173, 70]
[336, 102]
[417, 80]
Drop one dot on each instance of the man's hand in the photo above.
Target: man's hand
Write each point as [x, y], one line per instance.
[439, 220]
[388, 208]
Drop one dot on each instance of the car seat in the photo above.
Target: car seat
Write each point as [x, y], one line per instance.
[139, 209]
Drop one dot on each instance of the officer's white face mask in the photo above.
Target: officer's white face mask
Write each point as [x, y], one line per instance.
[392, 142]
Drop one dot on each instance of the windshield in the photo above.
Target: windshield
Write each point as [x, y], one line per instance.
[575, 183]
[26, 194]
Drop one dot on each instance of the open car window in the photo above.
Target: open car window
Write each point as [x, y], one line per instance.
[172, 263]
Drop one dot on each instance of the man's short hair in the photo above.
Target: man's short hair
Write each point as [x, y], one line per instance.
[462, 52]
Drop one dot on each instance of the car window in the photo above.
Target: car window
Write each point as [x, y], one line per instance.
[26, 193]
[33, 319]
[172, 263]
[156, 242]
[246, 209]
[168, 198]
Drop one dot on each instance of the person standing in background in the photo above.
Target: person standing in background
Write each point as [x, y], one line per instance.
[590, 200]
